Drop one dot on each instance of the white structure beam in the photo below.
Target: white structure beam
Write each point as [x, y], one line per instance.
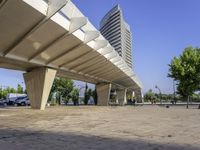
[91, 67]
[75, 24]
[82, 63]
[53, 8]
[89, 36]
[108, 74]
[100, 44]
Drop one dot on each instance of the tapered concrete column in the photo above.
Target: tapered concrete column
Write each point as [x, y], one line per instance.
[138, 96]
[103, 93]
[121, 95]
[132, 95]
[38, 84]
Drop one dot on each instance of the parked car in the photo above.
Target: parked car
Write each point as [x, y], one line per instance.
[22, 101]
[3, 102]
[12, 97]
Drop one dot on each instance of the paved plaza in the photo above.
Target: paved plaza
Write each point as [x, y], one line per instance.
[90, 127]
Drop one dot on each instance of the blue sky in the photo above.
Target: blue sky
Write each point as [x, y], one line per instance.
[161, 30]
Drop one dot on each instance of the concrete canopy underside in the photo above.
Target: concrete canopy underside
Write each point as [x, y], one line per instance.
[57, 35]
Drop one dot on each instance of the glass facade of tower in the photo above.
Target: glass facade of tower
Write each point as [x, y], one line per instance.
[117, 32]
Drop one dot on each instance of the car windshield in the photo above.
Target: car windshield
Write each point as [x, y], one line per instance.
[19, 98]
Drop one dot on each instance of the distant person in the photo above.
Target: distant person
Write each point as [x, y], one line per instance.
[129, 102]
[172, 102]
[134, 101]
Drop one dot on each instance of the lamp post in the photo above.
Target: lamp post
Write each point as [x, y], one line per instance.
[174, 89]
[159, 93]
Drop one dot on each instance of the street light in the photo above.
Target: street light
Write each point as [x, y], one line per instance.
[159, 92]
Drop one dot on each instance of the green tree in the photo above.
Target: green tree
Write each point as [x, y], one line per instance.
[62, 87]
[90, 92]
[150, 96]
[94, 95]
[19, 89]
[12, 90]
[196, 97]
[185, 69]
[75, 96]
[1, 93]
[86, 95]
[5, 92]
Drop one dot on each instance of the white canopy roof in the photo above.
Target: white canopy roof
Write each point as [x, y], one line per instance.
[56, 34]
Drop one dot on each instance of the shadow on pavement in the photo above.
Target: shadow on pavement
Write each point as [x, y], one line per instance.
[36, 140]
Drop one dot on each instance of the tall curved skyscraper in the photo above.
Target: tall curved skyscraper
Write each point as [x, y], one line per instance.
[117, 32]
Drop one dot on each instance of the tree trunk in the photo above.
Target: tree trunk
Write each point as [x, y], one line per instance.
[188, 99]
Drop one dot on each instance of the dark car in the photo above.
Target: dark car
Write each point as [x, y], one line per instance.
[13, 101]
[3, 102]
[22, 101]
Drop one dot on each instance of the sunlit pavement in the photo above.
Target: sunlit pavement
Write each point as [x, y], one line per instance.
[90, 127]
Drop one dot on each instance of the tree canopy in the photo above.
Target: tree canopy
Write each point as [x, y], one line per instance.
[7, 90]
[62, 87]
[75, 96]
[86, 95]
[19, 89]
[150, 96]
[185, 69]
